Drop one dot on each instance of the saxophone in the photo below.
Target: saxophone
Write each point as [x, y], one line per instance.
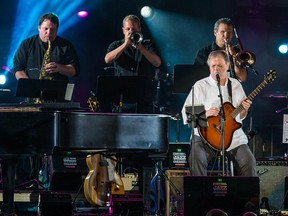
[46, 59]
[43, 74]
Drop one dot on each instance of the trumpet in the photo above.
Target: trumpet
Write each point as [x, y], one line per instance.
[245, 59]
[136, 38]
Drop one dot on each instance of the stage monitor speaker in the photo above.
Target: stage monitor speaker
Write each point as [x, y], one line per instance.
[234, 195]
[272, 181]
[174, 189]
[67, 172]
[55, 204]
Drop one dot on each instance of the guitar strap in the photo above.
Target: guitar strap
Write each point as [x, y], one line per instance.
[229, 86]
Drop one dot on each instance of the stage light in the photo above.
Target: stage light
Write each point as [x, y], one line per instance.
[2, 79]
[6, 68]
[82, 14]
[147, 12]
[283, 48]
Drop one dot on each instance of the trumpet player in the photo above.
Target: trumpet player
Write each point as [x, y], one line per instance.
[223, 32]
[133, 55]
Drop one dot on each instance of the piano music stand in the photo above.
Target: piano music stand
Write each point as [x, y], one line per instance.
[122, 89]
[50, 90]
[185, 76]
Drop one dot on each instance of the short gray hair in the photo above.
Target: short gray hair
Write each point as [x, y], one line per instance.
[217, 53]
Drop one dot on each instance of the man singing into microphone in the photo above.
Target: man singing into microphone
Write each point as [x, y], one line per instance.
[206, 92]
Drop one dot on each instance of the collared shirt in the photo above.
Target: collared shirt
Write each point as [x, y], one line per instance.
[206, 93]
[30, 53]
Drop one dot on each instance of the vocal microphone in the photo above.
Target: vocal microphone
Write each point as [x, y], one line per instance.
[217, 75]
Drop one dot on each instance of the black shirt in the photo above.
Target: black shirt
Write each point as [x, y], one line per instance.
[203, 53]
[30, 53]
[131, 62]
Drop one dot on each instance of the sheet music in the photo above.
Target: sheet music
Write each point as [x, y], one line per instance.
[69, 91]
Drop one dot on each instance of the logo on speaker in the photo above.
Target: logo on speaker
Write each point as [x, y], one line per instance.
[220, 188]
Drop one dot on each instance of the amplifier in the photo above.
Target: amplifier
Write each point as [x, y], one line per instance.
[272, 175]
[177, 157]
[174, 190]
[67, 172]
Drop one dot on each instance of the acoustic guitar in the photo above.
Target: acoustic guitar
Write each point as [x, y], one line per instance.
[212, 133]
[102, 174]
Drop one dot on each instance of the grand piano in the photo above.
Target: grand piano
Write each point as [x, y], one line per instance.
[28, 130]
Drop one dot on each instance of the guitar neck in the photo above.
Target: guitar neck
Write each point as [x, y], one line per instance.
[250, 97]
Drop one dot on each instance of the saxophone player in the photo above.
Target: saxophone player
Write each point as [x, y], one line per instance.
[56, 57]
[29, 60]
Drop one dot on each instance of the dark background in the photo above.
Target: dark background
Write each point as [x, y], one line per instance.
[179, 28]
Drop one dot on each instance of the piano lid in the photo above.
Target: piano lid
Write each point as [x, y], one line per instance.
[119, 132]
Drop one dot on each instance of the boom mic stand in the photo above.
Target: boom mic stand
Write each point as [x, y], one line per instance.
[222, 124]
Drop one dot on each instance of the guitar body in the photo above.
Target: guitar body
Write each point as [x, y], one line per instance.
[212, 133]
[101, 176]
[96, 187]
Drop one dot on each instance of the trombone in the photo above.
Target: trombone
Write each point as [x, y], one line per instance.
[244, 59]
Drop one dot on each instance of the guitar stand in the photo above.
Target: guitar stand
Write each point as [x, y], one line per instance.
[35, 183]
[31, 184]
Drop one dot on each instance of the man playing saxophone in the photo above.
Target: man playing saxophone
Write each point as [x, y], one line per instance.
[34, 60]
[43, 56]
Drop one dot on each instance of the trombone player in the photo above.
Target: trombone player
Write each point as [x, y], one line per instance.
[223, 32]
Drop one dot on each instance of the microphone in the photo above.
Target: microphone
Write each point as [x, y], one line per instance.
[217, 76]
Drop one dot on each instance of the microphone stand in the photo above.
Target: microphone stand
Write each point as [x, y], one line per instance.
[222, 124]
